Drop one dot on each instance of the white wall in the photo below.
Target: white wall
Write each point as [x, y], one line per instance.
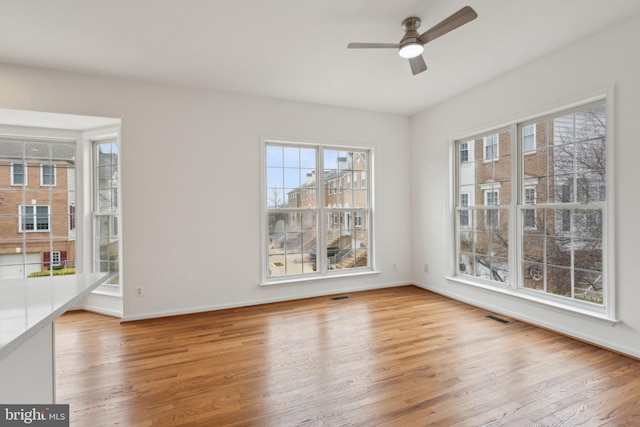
[595, 63]
[191, 184]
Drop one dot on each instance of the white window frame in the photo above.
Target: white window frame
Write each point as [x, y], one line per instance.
[34, 215]
[53, 175]
[324, 213]
[491, 213]
[464, 147]
[464, 204]
[532, 135]
[530, 206]
[492, 140]
[55, 258]
[113, 216]
[605, 312]
[25, 176]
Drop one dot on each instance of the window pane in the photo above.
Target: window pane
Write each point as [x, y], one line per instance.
[291, 177]
[48, 175]
[18, 177]
[292, 243]
[588, 286]
[570, 255]
[106, 244]
[559, 280]
[107, 177]
[347, 239]
[345, 179]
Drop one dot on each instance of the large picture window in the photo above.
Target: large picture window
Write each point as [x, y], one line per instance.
[318, 220]
[538, 229]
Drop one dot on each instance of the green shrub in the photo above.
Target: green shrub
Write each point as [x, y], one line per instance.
[61, 272]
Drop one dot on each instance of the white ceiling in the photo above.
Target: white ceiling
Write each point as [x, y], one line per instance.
[296, 49]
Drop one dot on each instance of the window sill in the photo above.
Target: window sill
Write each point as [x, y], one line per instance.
[109, 290]
[599, 316]
[326, 276]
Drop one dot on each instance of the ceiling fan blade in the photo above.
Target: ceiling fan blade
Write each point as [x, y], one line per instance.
[458, 19]
[372, 45]
[417, 64]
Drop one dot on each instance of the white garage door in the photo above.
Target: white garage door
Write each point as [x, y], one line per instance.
[17, 266]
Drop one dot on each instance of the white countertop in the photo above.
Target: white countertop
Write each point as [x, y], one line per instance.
[28, 305]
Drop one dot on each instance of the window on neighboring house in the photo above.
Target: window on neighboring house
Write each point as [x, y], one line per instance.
[464, 152]
[54, 258]
[18, 174]
[363, 179]
[529, 215]
[72, 217]
[492, 217]
[562, 204]
[464, 213]
[333, 232]
[529, 138]
[490, 146]
[34, 218]
[358, 219]
[48, 175]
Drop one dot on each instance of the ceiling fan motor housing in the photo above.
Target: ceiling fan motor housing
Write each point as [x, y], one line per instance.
[410, 26]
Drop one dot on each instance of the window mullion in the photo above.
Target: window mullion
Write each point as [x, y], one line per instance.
[515, 217]
[321, 210]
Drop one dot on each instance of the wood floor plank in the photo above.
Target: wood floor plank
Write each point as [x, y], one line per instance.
[397, 357]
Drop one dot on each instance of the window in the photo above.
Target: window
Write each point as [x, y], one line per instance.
[332, 231]
[55, 259]
[558, 252]
[106, 215]
[72, 217]
[464, 214]
[490, 146]
[34, 218]
[358, 219]
[492, 218]
[529, 215]
[18, 174]
[48, 175]
[464, 152]
[528, 138]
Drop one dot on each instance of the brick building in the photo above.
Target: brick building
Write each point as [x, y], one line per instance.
[37, 207]
[345, 191]
[562, 167]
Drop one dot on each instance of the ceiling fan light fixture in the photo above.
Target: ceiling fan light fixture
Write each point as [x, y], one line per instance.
[411, 50]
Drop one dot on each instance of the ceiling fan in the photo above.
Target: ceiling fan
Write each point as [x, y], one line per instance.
[412, 44]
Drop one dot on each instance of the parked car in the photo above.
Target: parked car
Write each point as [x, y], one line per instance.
[331, 252]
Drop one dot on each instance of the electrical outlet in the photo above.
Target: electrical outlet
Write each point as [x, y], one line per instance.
[139, 291]
[426, 268]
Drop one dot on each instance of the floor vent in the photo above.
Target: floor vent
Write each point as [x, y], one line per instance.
[497, 319]
[339, 298]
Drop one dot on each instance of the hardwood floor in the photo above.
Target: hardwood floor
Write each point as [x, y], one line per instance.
[396, 357]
